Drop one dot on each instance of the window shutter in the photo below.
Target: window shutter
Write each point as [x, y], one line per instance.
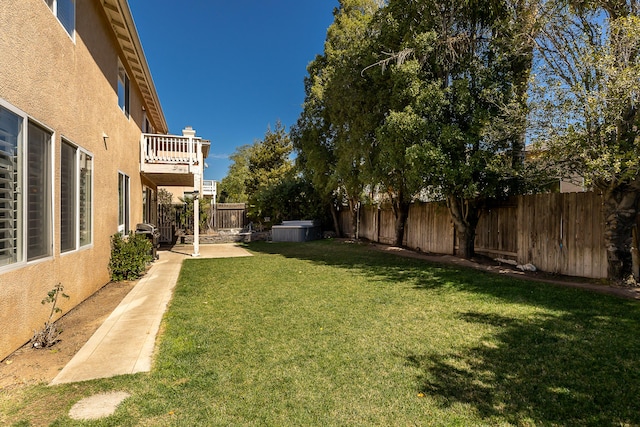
[67, 15]
[38, 193]
[10, 133]
[67, 198]
[126, 94]
[86, 196]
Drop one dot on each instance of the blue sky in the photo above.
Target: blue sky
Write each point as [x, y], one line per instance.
[231, 68]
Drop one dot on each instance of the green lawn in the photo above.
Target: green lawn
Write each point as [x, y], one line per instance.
[330, 333]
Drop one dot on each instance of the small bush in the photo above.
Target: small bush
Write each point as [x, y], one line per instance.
[48, 336]
[185, 214]
[129, 256]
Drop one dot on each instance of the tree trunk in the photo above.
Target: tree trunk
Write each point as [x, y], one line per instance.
[620, 208]
[465, 215]
[401, 213]
[336, 221]
[354, 206]
[466, 242]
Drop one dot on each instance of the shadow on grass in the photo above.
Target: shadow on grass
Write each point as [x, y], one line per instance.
[573, 369]
[576, 363]
[390, 267]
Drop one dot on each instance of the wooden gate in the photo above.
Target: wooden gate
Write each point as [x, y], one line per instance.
[228, 216]
[167, 224]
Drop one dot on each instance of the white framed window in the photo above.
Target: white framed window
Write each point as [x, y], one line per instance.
[65, 11]
[26, 221]
[123, 89]
[123, 203]
[76, 197]
[146, 124]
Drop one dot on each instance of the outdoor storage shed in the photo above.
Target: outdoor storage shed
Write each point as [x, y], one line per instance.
[296, 231]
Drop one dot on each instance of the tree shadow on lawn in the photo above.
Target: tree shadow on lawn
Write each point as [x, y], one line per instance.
[576, 365]
[572, 369]
[422, 274]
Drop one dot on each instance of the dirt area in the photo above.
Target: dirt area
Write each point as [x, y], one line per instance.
[487, 264]
[29, 366]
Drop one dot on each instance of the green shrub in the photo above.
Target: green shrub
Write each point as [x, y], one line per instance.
[129, 256]
[185, 213]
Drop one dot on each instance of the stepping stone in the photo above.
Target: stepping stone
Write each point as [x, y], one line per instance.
[97, 406]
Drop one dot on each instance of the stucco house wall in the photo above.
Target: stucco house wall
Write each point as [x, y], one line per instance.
[69, 85]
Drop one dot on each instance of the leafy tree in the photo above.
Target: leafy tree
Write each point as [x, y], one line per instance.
[166, 208]
[186, 214]
[269, 160]
[335, 135]
[290, 199]
[351, 98]
[165, 197]
[588, 110]
[232, 186]
[457, 114]
[269, 165]
[397, 84]
[313, 140]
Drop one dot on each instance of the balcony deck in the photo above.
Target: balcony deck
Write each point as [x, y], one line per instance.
[209, 187]
[172, 160]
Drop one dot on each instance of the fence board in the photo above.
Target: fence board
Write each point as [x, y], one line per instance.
[551, 233]
[586, 238]
[387, 230]
[555, 252]
[569, 245]
[345, 222]
[598, 262]
[576, 237]
[562, 233]
[369, 223]
[429, 228]
[495, 232]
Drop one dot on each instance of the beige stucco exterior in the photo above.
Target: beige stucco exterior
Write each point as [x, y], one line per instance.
[178, 193]
[69, 85]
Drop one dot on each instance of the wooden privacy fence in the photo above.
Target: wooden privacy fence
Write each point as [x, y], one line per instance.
[221, 216]
[557, 232]
[563, 233]
[228, 215]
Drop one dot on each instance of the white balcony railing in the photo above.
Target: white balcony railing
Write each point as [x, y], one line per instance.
[208, 187]
[170, 149]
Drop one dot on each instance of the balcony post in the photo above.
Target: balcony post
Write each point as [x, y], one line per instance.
[190, 133]
[142, 151]
[196, 224]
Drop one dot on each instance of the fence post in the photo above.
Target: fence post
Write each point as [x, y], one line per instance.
[635, 256]
[378, 225]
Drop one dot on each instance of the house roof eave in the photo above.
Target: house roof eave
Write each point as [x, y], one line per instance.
[121, 20]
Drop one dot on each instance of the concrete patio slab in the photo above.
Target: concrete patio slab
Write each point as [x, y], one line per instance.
[97, 406]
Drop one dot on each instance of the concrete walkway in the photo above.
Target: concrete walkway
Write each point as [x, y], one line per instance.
[125, 342]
